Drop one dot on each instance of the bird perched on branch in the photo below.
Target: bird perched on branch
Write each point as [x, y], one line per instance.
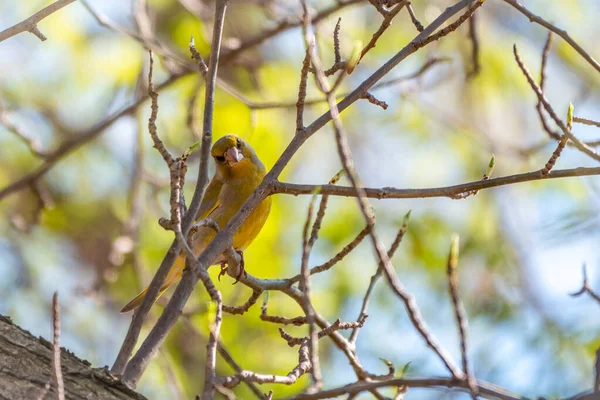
[238, 174]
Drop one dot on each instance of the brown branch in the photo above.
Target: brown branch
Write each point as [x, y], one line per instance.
[585, 121]
[308, 242]
[413, 18]
[460, 314]
[335, 259]
[560, 146]
[563, 34]
[302, 93]
[585, 288]
[285, 25]
[474, 38]
[225, 354]
[244, 307]
[338, 325]
[33, 144]
[158, 144]
[373, 100]
[542, 98]
[56, 368]
[310, 102]
[447, 191]
[248, 376]
[202, 67]
[377, 275]
[485, 389]
[385, 24]
[77, 141]
[552, 133]
[30, 24]
[485, 177]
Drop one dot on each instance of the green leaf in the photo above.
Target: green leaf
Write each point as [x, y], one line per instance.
[190, 149]
[404, 369]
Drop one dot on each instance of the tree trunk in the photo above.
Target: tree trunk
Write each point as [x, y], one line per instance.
[26, 371]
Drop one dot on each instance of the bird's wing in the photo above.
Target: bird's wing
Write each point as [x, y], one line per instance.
[210, 201]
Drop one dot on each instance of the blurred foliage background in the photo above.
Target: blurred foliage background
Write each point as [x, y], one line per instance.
[522, 246]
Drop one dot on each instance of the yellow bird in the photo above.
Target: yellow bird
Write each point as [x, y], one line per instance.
[238, 174]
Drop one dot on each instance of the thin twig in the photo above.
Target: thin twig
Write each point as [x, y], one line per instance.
[244, 307]
[460, 314]
[563, 34]
[377, 275]
[413, 18]
[585, 121]
[552, 133]
[33, 144]
[585, 288]
[56, 368]
[308, 242]
[335, 259]
[248, 376]
[30, 24]
[561, 144]
[475, 63]
[542, 98]
[338, 325]
[302, 93]
[158, 144]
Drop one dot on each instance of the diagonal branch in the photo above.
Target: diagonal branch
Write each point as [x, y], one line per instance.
[562, 33]
[30, 24]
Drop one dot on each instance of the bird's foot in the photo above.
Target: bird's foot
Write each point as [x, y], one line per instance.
[242, 269]
[223, 271]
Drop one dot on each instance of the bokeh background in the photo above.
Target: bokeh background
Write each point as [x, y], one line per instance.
[522, 246]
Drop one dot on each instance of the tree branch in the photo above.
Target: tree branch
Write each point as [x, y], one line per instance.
[30, 24]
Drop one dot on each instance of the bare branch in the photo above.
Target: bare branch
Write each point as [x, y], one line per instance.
[542, 98]
[585, 121]
[158, 144]
[563, 34]
[413, 18]
[56, 368]
[33, 144]
[585, 288]
[475, 63]
[244, 307]
[538, 107]
[336, 326]
[485, 389]
[377, 275]
[248, 376]
[460, 314]
[30, 24]
[447, 191]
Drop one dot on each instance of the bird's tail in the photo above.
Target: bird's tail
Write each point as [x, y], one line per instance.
[173, 276]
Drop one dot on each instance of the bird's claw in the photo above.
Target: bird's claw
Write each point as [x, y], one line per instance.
[242, 269]
[222, 272]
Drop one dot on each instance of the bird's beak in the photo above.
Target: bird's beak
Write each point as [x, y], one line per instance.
[233, 156]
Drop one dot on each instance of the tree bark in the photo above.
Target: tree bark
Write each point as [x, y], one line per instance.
[26, 371]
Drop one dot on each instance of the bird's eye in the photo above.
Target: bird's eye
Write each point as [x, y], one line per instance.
[220, 158]
[238, 143]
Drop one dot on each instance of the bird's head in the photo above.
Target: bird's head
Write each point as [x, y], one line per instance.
[234, 156]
